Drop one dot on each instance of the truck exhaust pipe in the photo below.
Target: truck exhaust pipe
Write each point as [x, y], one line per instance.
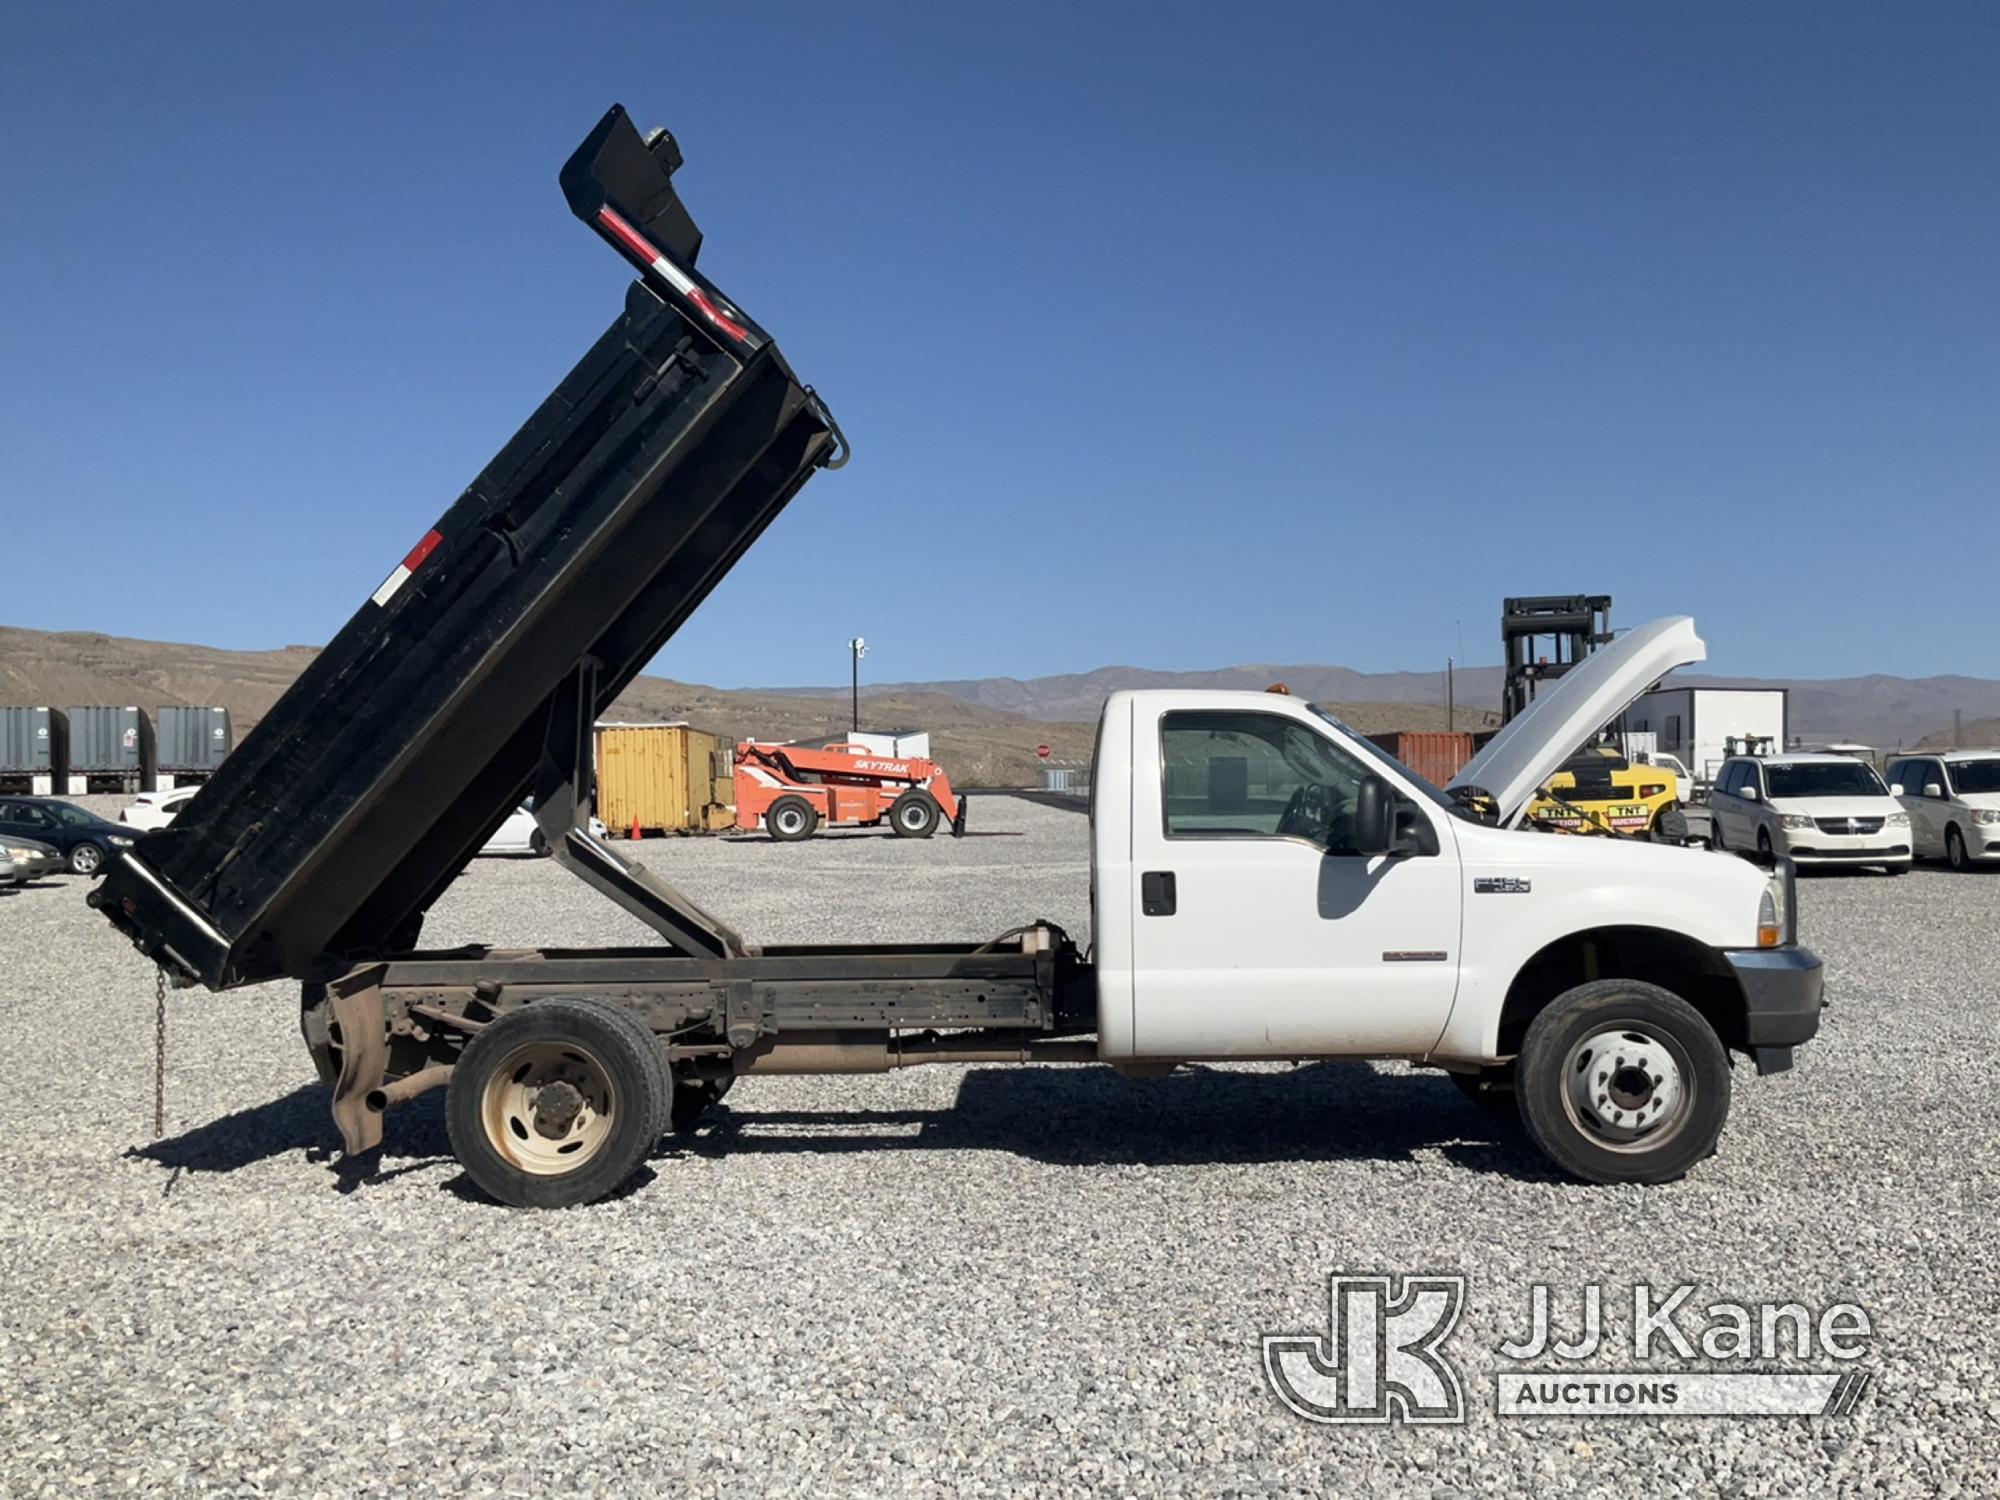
[403, 1090]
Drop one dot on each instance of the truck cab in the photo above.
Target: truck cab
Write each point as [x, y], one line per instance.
[1268, 884]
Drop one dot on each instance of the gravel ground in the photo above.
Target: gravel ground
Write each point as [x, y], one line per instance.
[984, 1281]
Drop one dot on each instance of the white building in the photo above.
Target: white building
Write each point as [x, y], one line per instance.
[1697, 724]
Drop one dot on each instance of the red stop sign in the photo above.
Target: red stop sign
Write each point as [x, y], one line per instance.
[1043, 751]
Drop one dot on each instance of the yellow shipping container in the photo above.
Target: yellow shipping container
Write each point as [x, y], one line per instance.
[668, 778]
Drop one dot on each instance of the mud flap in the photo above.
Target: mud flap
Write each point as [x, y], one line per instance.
[364, 1057]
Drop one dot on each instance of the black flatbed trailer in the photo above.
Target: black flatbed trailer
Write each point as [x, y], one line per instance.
[472, 678]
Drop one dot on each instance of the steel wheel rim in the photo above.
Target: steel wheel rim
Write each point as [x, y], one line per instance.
[1628, 1088]
[85, 858]
[790, 820]
[913, 816]
[537, 1127]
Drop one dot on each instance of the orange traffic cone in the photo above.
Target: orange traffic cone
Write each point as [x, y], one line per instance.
[635, 827]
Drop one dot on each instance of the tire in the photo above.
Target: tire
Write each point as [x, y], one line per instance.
[1767, 855]
[85, 859]
[538, 844]
[790, 819]
[1572, 1108]
[1492, 1089]
[1954, 850]
[694, 1098]
[1894, 869]
[914, 815]
[528, 1149]
[1715, 833]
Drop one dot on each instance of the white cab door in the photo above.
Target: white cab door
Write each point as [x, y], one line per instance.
[1256, 935]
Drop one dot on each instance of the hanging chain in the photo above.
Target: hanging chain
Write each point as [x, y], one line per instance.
[159, 1053]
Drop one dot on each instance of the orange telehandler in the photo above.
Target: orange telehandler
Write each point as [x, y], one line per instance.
[789, 790]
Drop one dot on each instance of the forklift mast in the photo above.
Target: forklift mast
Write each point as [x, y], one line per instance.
[1574, 625]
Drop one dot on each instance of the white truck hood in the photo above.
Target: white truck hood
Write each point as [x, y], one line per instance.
[1519, 760]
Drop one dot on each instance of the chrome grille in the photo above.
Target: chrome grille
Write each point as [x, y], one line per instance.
[1848, 825]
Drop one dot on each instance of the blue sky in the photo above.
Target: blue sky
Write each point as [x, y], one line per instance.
[1176, 335]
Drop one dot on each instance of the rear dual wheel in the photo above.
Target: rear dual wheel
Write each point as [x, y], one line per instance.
[558, 1102]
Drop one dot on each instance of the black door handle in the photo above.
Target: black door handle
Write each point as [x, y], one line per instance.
[1156, 893]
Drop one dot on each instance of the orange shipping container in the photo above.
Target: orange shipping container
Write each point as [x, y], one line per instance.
[1437, 755]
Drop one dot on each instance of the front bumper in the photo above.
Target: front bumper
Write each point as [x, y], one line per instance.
[1784, 990]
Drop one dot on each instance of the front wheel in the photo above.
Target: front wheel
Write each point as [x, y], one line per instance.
[558, 1102]
[1954, 849]
[84, 859]
[1766, 854]
[914, 815]
[1622, 1081]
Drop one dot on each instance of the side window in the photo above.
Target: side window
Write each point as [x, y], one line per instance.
[27, 815]
[1258, 776]
[1897, 775]
[1931, 773]
[1731, 774]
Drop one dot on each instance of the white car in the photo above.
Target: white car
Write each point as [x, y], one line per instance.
[520, 835]
[150, 810]
[1683, 777]
[1813, 808]
[1953, 799]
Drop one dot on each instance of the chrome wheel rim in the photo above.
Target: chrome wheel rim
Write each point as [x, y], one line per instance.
[548, 1109]
[85, 858]
[789, 820]
[1627, 1088]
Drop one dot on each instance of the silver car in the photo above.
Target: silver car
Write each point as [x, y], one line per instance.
[31, 860]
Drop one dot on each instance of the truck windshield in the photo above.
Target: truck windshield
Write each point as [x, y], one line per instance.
[1821, 778]
[1976, 775]
[1375, 752]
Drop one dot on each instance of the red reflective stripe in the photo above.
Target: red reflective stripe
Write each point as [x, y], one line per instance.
[422, 550]
[735, 330]
[634, 243]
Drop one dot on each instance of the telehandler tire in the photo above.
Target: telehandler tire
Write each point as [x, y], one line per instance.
[914, 815]
[557, 1103]
[1622, 1081]
[790, 819]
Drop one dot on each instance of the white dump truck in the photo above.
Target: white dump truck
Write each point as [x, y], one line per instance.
[1266, 884]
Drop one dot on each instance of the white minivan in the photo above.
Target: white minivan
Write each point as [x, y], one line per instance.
[1953, 800]
[1814, 808]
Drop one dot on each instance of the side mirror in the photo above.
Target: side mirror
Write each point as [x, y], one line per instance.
[1748, 793]
[1374, 822]
[1932, 789]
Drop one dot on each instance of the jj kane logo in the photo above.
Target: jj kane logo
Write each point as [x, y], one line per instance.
[1382, 1358]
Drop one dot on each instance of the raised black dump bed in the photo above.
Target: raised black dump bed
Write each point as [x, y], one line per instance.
[518, 616]
[470, 679]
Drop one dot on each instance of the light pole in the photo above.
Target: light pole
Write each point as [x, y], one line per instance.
[858, 648]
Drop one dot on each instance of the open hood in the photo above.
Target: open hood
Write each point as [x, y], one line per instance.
[1519, 760]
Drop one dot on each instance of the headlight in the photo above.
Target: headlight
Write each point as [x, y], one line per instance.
[1899, 820]
[1795, 820]
[22, 854]
[1773, 912]
[116, 840]
[1987, 817]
